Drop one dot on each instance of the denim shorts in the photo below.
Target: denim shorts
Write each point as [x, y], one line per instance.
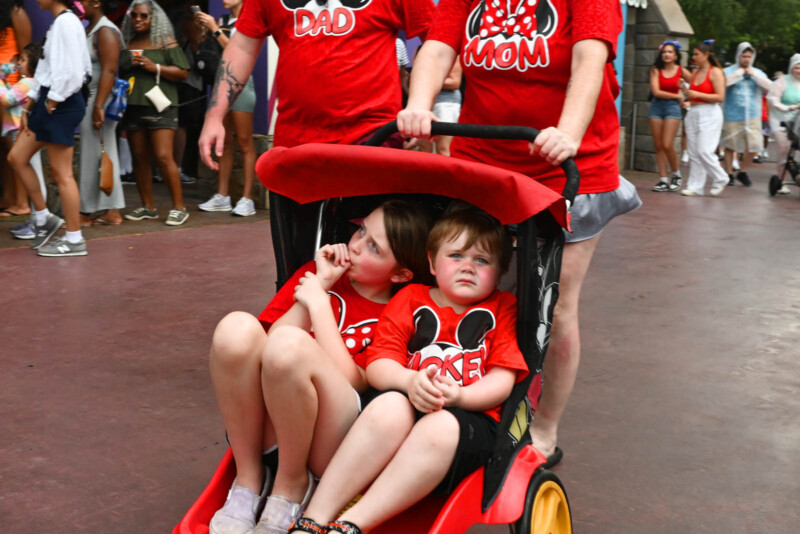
[665, 108]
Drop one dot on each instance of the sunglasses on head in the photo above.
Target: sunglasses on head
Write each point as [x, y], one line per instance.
[143, 16]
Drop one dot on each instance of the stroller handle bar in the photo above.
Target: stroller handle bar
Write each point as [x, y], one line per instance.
[522, 133]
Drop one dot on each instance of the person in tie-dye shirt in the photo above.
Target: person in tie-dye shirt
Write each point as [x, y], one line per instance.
[12, 98]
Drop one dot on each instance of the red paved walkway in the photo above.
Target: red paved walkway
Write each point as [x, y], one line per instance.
[684, 418]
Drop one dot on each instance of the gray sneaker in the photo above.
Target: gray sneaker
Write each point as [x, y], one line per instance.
[141, 213]
[46, 231]
[61, 247]
[23, 230]
[177, 217]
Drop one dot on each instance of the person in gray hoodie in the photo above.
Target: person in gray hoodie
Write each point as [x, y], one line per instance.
[741, 129]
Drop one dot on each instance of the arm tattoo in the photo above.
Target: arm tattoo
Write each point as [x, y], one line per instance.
[225, 76]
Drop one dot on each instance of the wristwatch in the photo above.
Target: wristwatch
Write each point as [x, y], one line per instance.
[218, 33]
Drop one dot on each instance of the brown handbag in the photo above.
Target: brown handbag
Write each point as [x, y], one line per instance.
[106, 171]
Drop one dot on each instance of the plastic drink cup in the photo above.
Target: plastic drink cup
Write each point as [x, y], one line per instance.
[137, 52]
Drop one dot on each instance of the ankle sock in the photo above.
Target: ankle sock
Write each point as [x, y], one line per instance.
[73, 237]
[41, 216]
[677, 173]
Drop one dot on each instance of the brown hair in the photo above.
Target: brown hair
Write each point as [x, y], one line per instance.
[708, 49]
[407, 225]
[481, 228]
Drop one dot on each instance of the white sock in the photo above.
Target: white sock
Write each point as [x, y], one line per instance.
[677, 173]
[664, 179]
[73, 237]
[41, 216]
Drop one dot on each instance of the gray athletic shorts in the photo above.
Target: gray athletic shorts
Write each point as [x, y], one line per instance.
[591, 213]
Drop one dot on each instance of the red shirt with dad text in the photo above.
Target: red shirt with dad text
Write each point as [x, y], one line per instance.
[337, 76]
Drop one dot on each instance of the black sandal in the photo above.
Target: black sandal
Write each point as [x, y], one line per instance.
[305, 524]
[345, 527]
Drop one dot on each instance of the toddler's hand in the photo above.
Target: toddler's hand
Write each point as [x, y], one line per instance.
[310, 292]
[451, 391]
[423, 393]
[332, 262]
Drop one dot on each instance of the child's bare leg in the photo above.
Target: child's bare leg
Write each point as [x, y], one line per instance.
[419, 466]
[311, 405]
[235, 364]
[364, 453]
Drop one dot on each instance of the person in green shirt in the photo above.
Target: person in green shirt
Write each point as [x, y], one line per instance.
[152, 57]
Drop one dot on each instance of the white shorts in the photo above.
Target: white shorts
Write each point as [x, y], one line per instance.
[447, 111]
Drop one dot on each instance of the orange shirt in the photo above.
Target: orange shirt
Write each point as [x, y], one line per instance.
[9, 49]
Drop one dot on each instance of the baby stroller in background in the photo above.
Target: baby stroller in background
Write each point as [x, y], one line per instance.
[776, 182]
[317, 189]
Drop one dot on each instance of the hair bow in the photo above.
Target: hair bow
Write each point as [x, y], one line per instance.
[709, 41]
[676, 44]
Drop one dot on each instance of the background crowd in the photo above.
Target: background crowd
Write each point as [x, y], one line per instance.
[728, 116]
[71, 82]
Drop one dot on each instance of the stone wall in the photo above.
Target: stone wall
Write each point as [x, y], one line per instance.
[647, 28]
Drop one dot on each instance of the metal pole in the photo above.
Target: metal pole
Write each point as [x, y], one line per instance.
[633, 133]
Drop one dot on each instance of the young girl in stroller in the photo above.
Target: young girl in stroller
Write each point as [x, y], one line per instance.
[297, 385]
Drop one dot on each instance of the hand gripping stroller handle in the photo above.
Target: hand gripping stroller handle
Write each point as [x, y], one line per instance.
[522, 133]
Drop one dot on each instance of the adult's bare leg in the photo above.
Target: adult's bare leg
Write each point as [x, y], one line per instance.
[563, 355]
[61, 165]
[243, 124]
[140, 153]
[20, 160]
[656, 128]
[161, 141]
[235, 365]
[669, 131]
[226, 160]
[310, 403]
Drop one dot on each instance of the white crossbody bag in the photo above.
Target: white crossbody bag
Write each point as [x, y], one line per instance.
[156, 96]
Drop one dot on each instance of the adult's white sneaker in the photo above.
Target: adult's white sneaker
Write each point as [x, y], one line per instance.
[216, 203]
[244, 208]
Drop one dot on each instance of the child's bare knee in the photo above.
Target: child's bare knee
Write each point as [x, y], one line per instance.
[283, 352]
[389, 412]
[438, 430]
[238, 337]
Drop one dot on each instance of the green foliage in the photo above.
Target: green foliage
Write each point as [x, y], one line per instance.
[771, 26]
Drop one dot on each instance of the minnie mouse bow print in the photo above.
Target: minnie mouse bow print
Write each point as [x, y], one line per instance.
[510, 34]
[462, 359]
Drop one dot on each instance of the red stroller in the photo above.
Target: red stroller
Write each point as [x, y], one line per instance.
[316, 189]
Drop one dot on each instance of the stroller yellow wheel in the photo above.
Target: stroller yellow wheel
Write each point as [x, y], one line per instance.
[546, 507]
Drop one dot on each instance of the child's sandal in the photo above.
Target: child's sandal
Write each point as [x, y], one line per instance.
[345, 527]
[305, 524]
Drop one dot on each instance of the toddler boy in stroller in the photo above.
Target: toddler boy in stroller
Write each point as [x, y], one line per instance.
[447, 357]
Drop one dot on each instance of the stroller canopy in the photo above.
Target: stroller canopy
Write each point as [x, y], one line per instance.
[316, 171]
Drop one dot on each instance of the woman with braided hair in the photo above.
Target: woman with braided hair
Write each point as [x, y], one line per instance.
[104, 42]
[153, 58]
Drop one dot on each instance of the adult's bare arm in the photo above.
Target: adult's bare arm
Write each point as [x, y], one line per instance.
[22, 26]
[235, 68]
[431, 67]
[108, 46]
[453, 80]
[555, 144]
